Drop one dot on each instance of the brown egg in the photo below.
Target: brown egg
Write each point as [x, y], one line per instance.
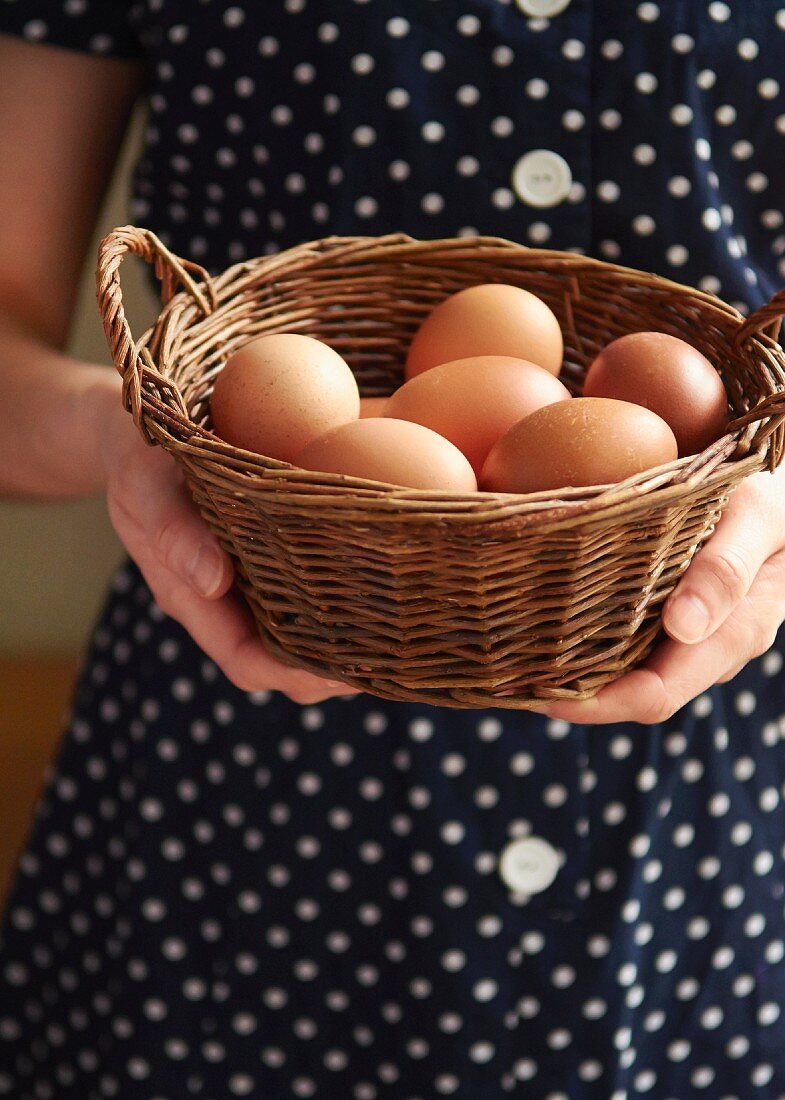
[586, 441]
[373, 406]
[394, 451]
[280, 391]
[488, 319]
[473, 402]
[668, 376]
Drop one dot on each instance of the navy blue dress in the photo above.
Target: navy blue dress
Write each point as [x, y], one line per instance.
[228, 894]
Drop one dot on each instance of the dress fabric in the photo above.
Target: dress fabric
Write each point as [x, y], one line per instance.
[226, 894]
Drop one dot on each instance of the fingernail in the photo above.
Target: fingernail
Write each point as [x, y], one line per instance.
[342, 688]
[206, 570]
[688, 619]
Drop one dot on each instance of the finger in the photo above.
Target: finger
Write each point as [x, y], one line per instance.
[149, 502]
[734, 672]
[190, 575]
[722, 573]
[673, 675]
[225, 630]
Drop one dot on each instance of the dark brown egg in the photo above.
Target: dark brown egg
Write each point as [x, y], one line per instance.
[585, 441]
[668, 376]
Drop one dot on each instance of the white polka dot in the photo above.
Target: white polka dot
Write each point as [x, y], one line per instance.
[362, 63]
[678, 1050]
[681, 114]
[610, 119]
[774, 952]
[768, 1013]
[646, 82]
[620, 747]
[702, 1076]
[590, 1070]
[432, 61]
[768, 799]
[723, 957]
[563, 977]
[673, 898]
[453, 832]
[665, 961]
[559, 1039]
[687, 989]
[573, 49]
[612, 49]
[432, 131]
[398, 27]
[598, 946]
[762, 1075]
[555, 794]
[683, 43]
[467, 95]
[768, 88]
[485, 990]
[737, 1046]
[536, 88]
[573, 120]
[502, 56]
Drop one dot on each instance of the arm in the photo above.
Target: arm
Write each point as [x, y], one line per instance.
[63, 431]
[63, 116]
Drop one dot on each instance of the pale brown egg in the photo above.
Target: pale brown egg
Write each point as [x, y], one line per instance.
[487, 319]
[473, 402]
[280, 391]
[393, 451]
[373, 406]
[586, 441]
[668, 376]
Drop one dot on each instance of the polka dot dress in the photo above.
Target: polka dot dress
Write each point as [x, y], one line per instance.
[226, 894]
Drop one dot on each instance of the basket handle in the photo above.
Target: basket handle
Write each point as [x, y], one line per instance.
[766, 320]
[132, 361]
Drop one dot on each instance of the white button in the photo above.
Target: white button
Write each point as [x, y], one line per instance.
[528, 865]
[541, 178]
[543, 7]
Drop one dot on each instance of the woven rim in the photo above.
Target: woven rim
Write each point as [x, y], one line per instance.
[365, 296]
[200, 312]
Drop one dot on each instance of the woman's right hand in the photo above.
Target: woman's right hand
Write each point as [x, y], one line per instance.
[189, 574]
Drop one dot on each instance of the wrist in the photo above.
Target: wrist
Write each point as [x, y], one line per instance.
[97, 405]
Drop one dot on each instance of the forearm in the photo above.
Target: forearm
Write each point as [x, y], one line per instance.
[50, 412]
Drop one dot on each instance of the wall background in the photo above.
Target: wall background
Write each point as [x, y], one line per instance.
[58, 558]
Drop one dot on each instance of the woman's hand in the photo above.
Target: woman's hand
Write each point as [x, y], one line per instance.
[188, 572]
[725, 610]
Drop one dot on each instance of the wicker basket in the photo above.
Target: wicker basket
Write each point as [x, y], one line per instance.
[461, 601]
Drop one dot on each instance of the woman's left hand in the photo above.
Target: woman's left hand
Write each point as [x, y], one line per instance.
[725, 611]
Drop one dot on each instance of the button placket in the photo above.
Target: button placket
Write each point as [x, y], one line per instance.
[542, 167]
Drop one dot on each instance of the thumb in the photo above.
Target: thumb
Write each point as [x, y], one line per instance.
[721, 574]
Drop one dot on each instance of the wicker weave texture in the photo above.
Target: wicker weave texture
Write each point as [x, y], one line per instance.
[467, 601]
